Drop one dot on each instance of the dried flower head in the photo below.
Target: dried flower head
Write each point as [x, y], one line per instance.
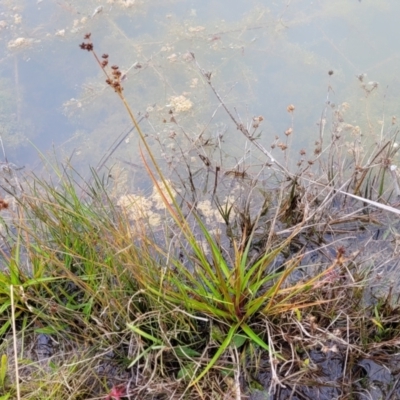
[115, 80]
[117, 86]
[86, 46]
[3, 204]
[282, 146]
[290, 108]
[288, 131]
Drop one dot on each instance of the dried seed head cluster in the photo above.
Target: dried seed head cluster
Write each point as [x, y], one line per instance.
[3, 204]
[318, 148]
[113, 79]
[87, 45]
[282, 146]
[105, 60]
[257, 121]
[290, 108]
[288, 131]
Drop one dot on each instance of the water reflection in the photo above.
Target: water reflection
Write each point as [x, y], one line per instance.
[261, 59]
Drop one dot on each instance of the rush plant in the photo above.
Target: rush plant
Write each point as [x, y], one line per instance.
[230, 289]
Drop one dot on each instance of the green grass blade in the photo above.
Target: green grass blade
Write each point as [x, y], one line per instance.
[218, 353]
[254, 337]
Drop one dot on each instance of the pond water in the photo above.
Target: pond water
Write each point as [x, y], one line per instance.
[263, 56]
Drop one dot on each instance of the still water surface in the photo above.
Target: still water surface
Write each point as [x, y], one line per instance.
[263, 55]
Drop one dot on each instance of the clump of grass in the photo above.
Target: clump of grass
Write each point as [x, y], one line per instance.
[107, 286]
[230, 289]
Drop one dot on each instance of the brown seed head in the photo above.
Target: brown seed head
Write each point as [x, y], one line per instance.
[3, 204]
[105, 56]
[288, 131]
[87, 36]
[282, 146]
[290, 108]
[117, 86]
[86, 46]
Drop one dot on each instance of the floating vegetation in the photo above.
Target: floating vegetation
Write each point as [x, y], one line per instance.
[19, 42]
[138, 207]
[180, 103]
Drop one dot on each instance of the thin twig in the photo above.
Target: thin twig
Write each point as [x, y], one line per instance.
[240, 126]
[115, 147]
[274, 376]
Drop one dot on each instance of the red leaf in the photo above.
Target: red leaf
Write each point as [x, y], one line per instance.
[116, 393]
